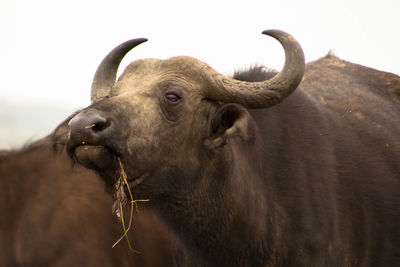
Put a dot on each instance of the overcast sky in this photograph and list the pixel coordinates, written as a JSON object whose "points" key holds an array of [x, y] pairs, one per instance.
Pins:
{"points": [[50, 49]]}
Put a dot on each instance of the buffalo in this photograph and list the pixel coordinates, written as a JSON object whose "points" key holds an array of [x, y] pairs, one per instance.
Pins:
{"points": [[254, 173], [58, 214]]}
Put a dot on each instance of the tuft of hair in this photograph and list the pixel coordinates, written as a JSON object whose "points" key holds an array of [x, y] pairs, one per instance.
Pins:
{"points": [[331, 54], [255, 73]]}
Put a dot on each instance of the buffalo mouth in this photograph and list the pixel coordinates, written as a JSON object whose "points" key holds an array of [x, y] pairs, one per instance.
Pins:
{"points": [[104, 161], [95, 157], [99, 158]]}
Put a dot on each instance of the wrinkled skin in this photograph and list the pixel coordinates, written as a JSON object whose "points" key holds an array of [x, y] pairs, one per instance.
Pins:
{"points": [[301, 183]]}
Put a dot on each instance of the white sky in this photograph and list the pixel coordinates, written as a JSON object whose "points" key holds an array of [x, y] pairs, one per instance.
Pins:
{"points": [[50, 49]]}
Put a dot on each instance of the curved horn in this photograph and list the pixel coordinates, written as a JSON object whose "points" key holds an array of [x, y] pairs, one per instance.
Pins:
{"points": [[106, 73], [266, 93]]}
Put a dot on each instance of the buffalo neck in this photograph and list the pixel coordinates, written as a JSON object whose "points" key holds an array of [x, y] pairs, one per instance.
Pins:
{"points": [[224, 217]]}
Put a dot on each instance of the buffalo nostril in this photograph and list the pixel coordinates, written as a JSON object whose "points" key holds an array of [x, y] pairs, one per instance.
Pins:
{"points": [[87, 127], [98, 126]]}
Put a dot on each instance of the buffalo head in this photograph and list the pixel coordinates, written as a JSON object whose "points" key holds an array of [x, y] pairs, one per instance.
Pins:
{"points": [[167, 120]]}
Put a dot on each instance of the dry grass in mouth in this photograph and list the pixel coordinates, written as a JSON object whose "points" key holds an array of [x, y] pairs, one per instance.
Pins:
{"points": [[121, 201]]}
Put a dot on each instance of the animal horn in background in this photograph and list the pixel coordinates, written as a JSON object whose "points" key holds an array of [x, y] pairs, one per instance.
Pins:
{"points": [[106, 73], [266, 93]]}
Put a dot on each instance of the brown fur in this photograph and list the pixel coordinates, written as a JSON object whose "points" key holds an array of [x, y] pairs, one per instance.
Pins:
{"points": [[56, 214]]}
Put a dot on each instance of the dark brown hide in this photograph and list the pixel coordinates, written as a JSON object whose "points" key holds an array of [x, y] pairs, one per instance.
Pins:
{"points": [[331, 155], [338, 73], [56, 214]]}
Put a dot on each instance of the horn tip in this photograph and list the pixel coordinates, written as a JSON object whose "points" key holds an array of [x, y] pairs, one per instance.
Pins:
{"points": [[139, 40], [274, 32]]}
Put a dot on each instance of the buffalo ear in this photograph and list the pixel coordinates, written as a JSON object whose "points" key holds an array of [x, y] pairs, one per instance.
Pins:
{"points": [[230, 120]]}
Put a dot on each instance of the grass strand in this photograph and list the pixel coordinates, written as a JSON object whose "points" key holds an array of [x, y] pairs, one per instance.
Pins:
{"points": [[121, 201]]}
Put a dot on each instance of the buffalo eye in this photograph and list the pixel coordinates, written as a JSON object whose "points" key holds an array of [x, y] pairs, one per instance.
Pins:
{"points": [[172, 98]]}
